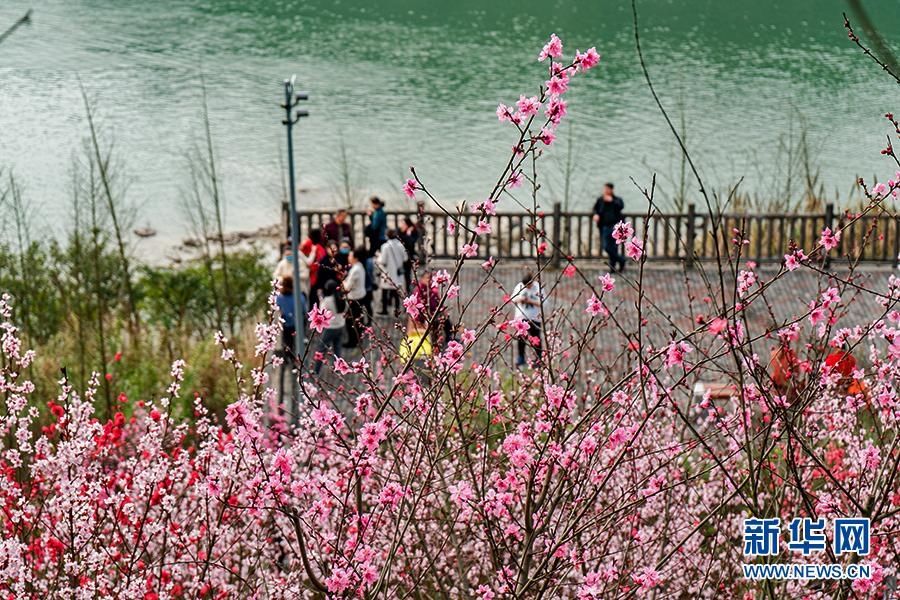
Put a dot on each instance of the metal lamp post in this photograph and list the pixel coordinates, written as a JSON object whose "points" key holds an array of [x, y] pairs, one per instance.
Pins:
{"points": [[291, 100]]}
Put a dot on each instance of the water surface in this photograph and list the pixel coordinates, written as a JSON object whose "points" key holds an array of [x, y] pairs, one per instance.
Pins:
{"points": [[402, 82]]}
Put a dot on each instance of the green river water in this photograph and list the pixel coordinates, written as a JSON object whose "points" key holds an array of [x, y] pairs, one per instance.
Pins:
{"points": [[403, 82]]}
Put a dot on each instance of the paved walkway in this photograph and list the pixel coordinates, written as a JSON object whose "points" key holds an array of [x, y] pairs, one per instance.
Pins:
{"points": [[672, 300]]}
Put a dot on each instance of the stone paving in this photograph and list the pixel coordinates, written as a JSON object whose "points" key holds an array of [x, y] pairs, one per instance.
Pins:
{"points": [[672, 298]]}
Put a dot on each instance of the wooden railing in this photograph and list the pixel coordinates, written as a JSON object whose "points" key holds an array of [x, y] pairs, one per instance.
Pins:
{"points": [[667, 236]]}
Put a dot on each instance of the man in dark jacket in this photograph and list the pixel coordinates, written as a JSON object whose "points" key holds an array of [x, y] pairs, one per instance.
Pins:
{"points": [[608, 212], [338, 230]]}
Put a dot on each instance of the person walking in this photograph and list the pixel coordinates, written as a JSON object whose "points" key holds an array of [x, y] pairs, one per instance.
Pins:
{"points": [[528, 298], [354, 286], [608, 212], [338, 229], [376, 230], [409, 236], [391, 259], [332, 336]]}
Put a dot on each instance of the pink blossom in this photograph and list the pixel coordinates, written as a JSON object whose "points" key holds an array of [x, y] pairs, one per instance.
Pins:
{"points": [[552, 49], [320, 318], [830, 239], [410, 187], [871, 457], [634, 248], [483, 227], [816, 313], [647, 578], [484, 593], [588, 60], [569, 271], [515, 180], [440, 277], [745, 281], [413, 306], [622, 231], [556, 110], [595, 307], [325, 417], [547, 136], [519, 327], [339, 581], [790, 262], [717, 325], [607, 282], [470, 250], [504, 113], [675, 353], [557, 85], [461, 493], [371, 435], [391, 495], [528, 106]]}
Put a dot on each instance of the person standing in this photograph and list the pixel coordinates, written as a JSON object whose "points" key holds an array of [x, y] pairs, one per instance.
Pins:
{"points": [[608, 212], [409, 236], [313, 252], [368, 262], [391, 259], [329, 268], [528, 298], [376, 230], [343, 255], [338, 230], [332, 300], [354, 286], [285, 303]]}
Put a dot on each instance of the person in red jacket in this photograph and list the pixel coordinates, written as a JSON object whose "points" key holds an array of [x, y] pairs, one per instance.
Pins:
{"points": [[313, 251]]}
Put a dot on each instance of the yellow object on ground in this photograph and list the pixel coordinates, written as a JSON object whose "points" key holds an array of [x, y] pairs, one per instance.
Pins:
{"points": [[415, 345]]}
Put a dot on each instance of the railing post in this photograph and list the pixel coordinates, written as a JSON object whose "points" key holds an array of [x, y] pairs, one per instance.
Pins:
{"points": [[557, 238], [896, 257], [691, 235], [829, 222]]}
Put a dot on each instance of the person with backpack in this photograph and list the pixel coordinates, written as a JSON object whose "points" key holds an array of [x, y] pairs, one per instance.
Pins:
{"points": [[607, 212]]}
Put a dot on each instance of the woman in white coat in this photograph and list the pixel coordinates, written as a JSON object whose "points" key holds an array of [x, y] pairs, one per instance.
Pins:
{"points": [[391, 257]]}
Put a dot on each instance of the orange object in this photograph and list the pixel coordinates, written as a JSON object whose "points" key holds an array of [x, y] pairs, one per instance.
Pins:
{"points": [[782, 365]]}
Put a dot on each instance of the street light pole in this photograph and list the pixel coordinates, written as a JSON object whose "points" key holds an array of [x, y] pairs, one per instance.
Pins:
{"points": [[291, 99]]}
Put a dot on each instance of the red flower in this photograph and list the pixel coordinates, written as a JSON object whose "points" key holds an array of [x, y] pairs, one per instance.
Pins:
{"points": [[842, 362]]}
